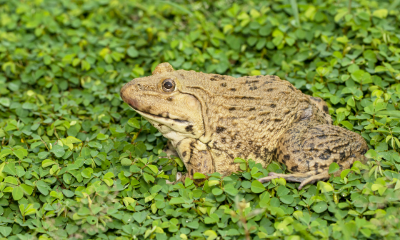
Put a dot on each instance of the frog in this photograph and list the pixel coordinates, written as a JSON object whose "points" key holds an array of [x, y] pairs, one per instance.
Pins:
{"points": [[211, 119]]}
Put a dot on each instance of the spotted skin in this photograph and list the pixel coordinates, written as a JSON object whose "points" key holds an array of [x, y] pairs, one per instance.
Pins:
{"points": [[211, 119], [309, 147]]}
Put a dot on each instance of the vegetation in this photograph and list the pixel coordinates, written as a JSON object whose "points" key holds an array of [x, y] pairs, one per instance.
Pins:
{"points": [[77, 163]]}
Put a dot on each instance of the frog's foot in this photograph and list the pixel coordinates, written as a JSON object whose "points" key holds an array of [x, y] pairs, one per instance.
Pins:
{"points": [[170, 150], [179, 177], [303, 178]]}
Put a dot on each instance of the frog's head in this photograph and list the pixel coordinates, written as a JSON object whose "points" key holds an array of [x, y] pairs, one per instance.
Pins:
{"points": [[159, 99]]}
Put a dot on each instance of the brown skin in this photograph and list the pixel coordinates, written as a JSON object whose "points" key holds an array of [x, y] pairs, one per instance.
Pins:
{"points": [[211, 119]]}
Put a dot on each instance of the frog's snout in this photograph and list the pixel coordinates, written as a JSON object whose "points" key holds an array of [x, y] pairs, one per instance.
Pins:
{"points": [[126, 94]]}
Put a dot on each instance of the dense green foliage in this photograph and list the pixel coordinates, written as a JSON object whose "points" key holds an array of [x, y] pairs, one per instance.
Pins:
{"points": [[68, 168]]}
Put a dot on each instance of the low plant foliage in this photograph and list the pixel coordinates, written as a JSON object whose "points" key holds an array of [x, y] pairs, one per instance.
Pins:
{"points": [[77, 163]]}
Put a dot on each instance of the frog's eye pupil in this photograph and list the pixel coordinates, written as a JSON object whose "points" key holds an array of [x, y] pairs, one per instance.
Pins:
{"points": [[168, 85]]}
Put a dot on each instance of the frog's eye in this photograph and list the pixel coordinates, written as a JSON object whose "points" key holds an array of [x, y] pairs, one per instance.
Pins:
{"points": [[168, 85]]}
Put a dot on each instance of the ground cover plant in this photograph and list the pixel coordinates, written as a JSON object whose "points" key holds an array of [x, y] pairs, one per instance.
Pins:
{"points": [[76, 162]]}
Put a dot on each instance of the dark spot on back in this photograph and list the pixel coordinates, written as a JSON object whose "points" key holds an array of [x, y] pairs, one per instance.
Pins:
{"points": [[223, 140], [220, 129], [246, 97], [233, 89], [270, 89], [231, 108], [316, 99], [191, 172], [325, 155], [291, 87], [189, 128], [184, 154], [294, 169], [252, 109], [213, 79], [253, 88], [286, 157], [238, 145], [326, 109], [258, 76], [273, 105], [169, 98], [223, 84]]}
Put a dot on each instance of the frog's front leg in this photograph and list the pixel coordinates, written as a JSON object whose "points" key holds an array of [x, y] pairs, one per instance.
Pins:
{"points": [[170, 150], [195, 156]]}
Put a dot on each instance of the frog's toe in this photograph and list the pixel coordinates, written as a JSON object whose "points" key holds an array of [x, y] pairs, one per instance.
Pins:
{"points": [[178, 177], [319, 177], [302, 178]]}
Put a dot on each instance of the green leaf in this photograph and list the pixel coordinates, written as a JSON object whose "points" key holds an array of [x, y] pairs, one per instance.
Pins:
{"points": [[380, 13], [257, 187], [176, 200], [5, 152], [287, 199], [212, 219], [58, 151], [361, 77], [17, 193], [148, 178], [231, 190], [333, 167], [265, 197], [47, 163], [134, 122], [5, 102], [5, 231], [21, 153], [42, 187], [391, 113], [102, 136], [126, 162], [27, 189], [11, 180], [198, 176], [20, 171], [87, 172], [132, 52], [325, 187], [153, 168], [320, 207], [43, 155], [217, 191]]}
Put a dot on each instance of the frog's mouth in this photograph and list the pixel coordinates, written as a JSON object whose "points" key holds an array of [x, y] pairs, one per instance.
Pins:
{"points": [[161, 119], [168, 125]]}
